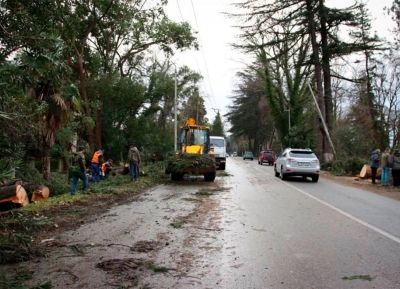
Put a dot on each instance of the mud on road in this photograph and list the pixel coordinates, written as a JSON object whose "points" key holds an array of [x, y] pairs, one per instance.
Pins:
{"points": [[165, 238]]}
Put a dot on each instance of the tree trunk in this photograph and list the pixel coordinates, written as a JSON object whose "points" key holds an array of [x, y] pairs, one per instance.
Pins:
{"points": [[318, 74], [46, 160], [66, 164], [98, 129], [327, 76], [83, 91], [15, 194]]}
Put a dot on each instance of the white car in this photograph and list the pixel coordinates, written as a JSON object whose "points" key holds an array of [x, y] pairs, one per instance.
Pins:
{"points": [[297, 162]]}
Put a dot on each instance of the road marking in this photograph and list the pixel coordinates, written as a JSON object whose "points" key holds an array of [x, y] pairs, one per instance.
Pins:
{"points": [[368, 225]]}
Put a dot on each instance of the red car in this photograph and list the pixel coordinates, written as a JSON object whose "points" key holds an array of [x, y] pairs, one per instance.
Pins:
{"points": [[266, 157]]}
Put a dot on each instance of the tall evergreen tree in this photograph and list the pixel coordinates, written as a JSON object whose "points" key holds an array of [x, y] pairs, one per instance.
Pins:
{"points": [[308, 17], [369, 43], [217, 127], [194, 107]]}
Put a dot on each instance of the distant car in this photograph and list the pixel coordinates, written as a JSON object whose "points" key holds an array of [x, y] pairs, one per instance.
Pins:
{"points": [[266, 157], [234, 154], [297, 162], [227, 155], [248, 155]]}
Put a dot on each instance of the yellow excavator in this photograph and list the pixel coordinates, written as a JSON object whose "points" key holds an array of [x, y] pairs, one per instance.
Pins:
{"points": [[194, 155]]}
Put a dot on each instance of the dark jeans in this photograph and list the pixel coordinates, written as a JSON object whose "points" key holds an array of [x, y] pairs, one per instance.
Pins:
{"points": [[95, 173], [75, 178], [373, 174], [396, 177], [133, 170]]}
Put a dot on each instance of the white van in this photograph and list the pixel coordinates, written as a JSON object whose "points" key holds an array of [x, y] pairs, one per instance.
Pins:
{"points": [[219, 145]]}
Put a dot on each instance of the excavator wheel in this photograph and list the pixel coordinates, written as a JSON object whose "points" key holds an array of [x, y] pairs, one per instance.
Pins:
{"points": [[209, 177], [176, 176]]}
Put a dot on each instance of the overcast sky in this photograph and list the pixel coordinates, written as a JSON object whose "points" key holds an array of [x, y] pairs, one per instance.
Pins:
{"points": [[216, 60]]}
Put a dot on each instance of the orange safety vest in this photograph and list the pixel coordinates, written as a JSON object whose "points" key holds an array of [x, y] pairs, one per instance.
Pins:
{"points": [[104, 166], [95, 158]]}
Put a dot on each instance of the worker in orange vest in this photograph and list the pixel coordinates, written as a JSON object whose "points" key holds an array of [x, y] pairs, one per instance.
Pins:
{"points": [[106, 168], [97, 161]]}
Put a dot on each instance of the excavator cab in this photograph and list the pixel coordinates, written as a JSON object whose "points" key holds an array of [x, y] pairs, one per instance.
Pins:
{"points": [[194, 155], [194, 139]]}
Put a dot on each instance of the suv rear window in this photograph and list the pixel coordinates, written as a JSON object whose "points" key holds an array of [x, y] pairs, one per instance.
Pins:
{"points": [[268, 153], [301, 154]]}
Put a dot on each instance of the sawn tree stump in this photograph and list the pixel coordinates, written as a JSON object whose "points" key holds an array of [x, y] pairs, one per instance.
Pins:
{"points": [[15, 194], [40, 194], [365, 172]]}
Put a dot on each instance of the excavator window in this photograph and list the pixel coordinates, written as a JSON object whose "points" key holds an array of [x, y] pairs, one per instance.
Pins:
{"points": [[195, 136]]}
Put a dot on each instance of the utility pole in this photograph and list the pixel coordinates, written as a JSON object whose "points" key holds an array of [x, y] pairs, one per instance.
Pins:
{"points": [[322, 120], [197, 105], [175, 111]]}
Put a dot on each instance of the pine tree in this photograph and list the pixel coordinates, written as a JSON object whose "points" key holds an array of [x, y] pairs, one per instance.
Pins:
{"points": [[217, 128]]}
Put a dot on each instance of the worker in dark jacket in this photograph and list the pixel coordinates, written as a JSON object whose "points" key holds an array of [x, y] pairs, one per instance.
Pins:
{"points": [[79, 172], [134, 162], [375, 156], [395, 165]]}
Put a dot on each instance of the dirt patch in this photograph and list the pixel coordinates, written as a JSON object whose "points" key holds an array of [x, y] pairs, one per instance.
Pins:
{"points": [[67, 216], [365, 184]]}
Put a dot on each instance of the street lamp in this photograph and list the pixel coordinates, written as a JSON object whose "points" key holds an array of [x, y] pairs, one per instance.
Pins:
{"points": [[175, 112]]}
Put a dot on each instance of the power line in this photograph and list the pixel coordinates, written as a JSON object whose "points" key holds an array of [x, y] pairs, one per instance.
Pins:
{"points": [[194, 56], [202, 50], [179, 8]]}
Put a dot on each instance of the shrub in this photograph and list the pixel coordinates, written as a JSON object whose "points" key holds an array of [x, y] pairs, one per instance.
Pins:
{"points": [[353, 165], [58, 184], [349, 166]]}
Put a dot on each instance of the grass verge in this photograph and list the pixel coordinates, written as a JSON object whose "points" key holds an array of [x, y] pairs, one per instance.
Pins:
{"points": [[21, 230]]}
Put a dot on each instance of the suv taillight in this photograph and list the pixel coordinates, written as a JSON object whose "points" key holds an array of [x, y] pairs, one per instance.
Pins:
{"points": [[290, 160], [315, 161]]}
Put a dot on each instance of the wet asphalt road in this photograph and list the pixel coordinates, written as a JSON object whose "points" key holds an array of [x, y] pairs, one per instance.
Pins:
{"points": [[252, 231], [299, 234]]}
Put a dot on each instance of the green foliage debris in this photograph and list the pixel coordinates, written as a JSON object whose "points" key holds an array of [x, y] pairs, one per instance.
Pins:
{"points": [[177, 224], [156, 268], [15, 281], [182, 162], [358, 277], [16, 231]]}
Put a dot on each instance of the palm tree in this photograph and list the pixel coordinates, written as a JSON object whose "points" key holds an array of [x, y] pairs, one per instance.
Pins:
{"points": [[49, 76]]}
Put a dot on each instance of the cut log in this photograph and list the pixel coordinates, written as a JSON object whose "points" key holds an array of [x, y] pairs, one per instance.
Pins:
{"points": [[40, 194], [15, 194], [365, 172]]}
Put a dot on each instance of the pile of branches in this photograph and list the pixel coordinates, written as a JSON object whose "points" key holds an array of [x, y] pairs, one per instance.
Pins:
{"points": [[182, 162], [16, 230]]}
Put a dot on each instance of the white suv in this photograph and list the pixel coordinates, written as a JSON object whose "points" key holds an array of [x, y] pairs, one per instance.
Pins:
{"points": [[297, 162]]}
